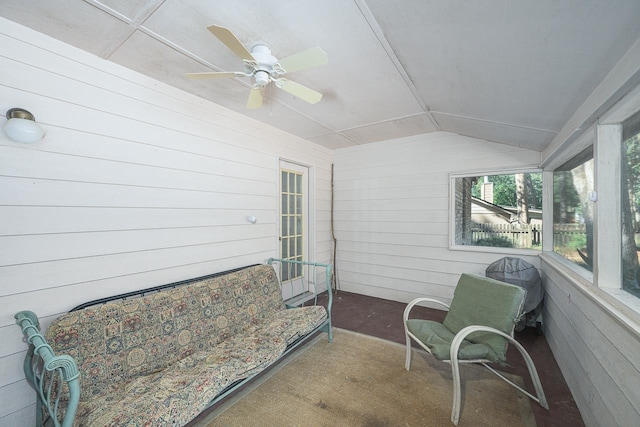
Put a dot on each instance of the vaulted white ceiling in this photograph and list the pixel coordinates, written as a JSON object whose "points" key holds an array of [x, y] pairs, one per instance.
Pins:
{"points": [[507, 71]]}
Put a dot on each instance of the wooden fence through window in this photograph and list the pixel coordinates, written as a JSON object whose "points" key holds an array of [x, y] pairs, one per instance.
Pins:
{"points": [[524, 235], [564, 234], [519, 235]]}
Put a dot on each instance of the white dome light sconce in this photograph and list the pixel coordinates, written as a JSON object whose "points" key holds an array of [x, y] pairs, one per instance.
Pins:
{"points": [[252, 219], [21, 126]]}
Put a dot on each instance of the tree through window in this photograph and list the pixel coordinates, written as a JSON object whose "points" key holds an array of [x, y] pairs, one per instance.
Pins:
{"points": [[630, 201], [573, 183]]}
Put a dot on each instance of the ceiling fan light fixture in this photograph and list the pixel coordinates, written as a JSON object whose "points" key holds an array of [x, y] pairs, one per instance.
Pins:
{"points": [[262, 78]]}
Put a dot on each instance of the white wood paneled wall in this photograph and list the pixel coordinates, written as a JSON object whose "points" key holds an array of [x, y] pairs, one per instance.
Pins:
{"points": [[597, 353], [392, 213], [135, 184]]}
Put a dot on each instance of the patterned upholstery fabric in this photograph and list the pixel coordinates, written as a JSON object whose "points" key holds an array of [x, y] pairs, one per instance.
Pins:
{"points": [[160, 359]]}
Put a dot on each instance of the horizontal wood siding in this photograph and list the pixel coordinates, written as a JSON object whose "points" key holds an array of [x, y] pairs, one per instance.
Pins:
{"points": [[597, 354], [392, 213], [135, 184]]}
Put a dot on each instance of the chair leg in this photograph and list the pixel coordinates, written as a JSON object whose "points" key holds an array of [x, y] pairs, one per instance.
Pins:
{"points": [[407, 362], [455, 410], [533, 372], [455, 346]]}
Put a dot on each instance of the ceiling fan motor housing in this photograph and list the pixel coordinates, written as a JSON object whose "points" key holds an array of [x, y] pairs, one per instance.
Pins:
{"points": [[264, 64]]}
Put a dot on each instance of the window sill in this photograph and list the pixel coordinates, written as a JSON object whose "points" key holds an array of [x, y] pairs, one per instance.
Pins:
{"points": [[495, 250], [618, 304], [630, 303], [570, 271]]}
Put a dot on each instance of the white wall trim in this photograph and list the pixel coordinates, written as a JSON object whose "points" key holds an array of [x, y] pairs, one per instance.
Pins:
{"points": [[608, 212]]}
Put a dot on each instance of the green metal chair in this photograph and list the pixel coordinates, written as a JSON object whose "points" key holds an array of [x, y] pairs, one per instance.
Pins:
{"points": [[477, 329]]}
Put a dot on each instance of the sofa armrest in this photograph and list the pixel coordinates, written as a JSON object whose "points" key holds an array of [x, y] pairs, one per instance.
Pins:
{"points": [[316, 270], [48, 374]]}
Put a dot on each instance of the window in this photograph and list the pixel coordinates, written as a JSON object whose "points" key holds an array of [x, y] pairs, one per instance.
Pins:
{"points": [[596, 205], [596, 208], [630, 204], [498, 210], [573, 210]]}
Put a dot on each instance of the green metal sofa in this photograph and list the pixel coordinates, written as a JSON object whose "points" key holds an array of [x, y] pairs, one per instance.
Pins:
{"points": [[162, 356]]}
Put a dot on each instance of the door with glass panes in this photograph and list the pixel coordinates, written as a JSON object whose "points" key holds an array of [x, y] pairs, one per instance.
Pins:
{"points": [[293, 228]]}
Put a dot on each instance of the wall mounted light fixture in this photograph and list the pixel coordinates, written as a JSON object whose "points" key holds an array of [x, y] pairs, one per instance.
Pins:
{"points": [[21, 126]]}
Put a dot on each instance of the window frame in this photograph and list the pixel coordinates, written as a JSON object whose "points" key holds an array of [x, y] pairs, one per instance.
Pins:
{"points": [[453, 246]]}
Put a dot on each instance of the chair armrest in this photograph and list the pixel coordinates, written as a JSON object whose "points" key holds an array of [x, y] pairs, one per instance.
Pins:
{"points": [[405, 316], [464, 332], [47, 372], [313, 273]]}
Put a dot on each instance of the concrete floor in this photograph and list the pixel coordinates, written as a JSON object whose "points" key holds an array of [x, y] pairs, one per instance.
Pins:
{"points": [[383, 319]]}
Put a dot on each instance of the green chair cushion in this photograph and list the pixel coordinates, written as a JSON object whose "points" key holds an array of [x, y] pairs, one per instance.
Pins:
{"points": [[438, 339], [476, 300]]}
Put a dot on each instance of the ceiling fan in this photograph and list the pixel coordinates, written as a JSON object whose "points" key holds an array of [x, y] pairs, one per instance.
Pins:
{"points": [[265, 68]]}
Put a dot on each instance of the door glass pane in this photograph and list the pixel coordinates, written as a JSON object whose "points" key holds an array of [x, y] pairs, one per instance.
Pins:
{"points": [[292, 227], [299, 204]]}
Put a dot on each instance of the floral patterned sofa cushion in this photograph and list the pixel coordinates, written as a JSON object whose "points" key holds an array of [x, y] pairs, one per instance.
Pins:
{"points": [[176, 395], [168, 354]]}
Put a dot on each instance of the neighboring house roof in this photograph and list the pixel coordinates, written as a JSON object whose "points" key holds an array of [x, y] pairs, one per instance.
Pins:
{"points": [[507, 212]]}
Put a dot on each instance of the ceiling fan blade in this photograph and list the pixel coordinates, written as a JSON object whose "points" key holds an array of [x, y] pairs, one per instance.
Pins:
{"points": [[306, 59], [211, 75], [255, 98], [231, 41], [299, 91]]}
